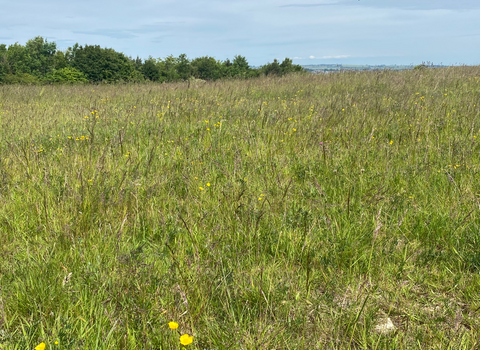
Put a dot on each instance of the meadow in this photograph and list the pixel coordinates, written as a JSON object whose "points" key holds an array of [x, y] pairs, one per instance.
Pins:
{"points": [[336, 211]]}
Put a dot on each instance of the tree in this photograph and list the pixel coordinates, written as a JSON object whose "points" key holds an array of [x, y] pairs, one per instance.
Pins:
{"points": [[285, 67], [150, 70], [167, 67], [183, 67], [206, 68], [241, 64], [99, 64], [18, 60], [40, 56], [272, 68], [3, 62]]}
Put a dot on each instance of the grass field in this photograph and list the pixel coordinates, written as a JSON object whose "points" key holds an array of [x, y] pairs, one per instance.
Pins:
{"points": [[306, 212]]}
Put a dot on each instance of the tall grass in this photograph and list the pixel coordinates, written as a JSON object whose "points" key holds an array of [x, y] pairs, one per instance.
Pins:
{"points": [[304, 212]]}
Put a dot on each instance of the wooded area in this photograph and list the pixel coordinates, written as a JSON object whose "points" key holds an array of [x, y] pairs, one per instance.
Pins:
{"points": [[40, 62]]}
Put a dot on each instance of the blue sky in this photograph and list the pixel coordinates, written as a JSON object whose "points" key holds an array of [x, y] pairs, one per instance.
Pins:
{"points": [[311, 32]]}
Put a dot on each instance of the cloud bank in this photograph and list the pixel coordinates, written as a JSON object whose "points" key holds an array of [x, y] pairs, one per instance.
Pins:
{"points": [[369, 31]]}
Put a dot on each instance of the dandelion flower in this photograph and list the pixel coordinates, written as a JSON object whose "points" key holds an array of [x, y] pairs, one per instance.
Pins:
{"points": [[41, 346], [173, 325], [208, 184], [391, 142], [56, 342], [186, 339]]}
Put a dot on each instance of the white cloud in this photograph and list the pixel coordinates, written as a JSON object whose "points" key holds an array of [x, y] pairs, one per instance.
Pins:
{"points": [[371, 31]]}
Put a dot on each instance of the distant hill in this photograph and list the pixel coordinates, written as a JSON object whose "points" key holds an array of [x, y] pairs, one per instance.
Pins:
{"points": [[340, 67]]}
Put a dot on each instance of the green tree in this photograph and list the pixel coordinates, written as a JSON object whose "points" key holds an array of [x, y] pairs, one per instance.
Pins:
{"points": [[3, 62], [60, 60], [241, 64], [183, 67], [272, 68], [287, 66], [167, 68], [40, 56], [150, 69], [206, 68], [276, 68], [18, 60], [101, 64]]}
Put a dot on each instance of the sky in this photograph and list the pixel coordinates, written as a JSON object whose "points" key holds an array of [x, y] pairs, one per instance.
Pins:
{"points": [[308, 31]]}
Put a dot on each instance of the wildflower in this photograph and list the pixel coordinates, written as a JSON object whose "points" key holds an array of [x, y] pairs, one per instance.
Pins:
{"points": [[186, 339], [201, 188], [208, 184], [173, 325], [41, 346], [56, 342], [391, 142]]}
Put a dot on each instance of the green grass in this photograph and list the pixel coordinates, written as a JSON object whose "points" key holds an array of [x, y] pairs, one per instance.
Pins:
{"points": [[281, 213]]}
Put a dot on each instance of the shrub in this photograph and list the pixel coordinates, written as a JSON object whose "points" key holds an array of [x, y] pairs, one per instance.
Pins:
{"points": [[66, 75]]}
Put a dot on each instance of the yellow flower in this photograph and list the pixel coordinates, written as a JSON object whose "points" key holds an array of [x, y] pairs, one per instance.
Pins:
{"points": [[173, 325], [208, 184], [186, 339], [201, 188], [40, 346], [391, 142]]}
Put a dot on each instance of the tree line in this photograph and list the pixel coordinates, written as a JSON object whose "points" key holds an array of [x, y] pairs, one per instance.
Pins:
{"points": [[40, 61]]}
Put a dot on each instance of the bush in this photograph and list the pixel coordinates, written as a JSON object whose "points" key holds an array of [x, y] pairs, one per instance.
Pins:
{"points": [[66, 75], [21, 78]]}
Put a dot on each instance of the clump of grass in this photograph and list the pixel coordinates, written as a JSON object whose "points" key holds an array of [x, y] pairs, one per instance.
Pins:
{"points": [[295, 212]]}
